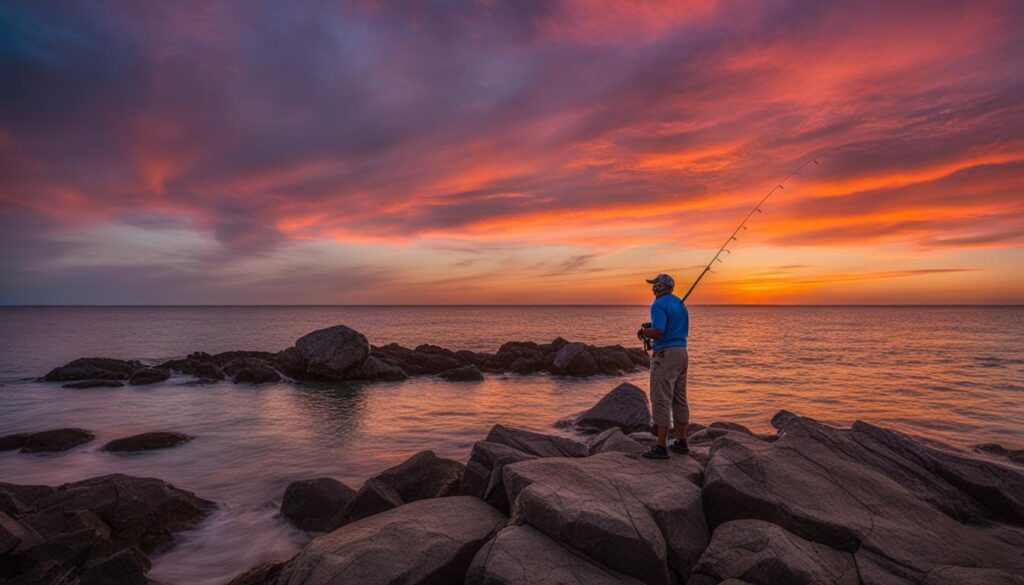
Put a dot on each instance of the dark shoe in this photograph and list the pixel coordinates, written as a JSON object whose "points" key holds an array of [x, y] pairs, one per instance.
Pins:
{"points": [[657, 452], [679, 446]]}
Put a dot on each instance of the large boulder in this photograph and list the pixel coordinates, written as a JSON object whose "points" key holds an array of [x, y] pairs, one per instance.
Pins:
{"points": [[93, 369], [760, 552], [639, 517], [811, 483], [625, 407], [574, 359], [422, 476], [56, 440], [425, 542], [483, 476], [316, 505], [521, 555], [148, 376], [95, 531], [613, 359], [147, 442], [537, 444], [330, 352]]}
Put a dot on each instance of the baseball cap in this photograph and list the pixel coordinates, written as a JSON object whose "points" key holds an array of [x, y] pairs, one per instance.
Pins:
{"points": [[663, 279]]}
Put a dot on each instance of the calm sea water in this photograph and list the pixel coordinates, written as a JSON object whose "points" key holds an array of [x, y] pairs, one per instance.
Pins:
{"points": [[953, 373]]}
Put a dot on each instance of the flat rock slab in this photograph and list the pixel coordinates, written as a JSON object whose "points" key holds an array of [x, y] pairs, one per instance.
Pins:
{"points": [[521, 555], [639, 517], [147, 442], [56, 440], [425, 542], [760, 552], [807, 485]]}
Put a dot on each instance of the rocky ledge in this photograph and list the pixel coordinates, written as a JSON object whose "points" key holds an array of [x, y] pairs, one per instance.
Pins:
{"points": [[341, 353], [95, 531]]}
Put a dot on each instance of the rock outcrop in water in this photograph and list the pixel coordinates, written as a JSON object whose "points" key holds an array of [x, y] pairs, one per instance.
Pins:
{"points": [[147, 442], [46, 441], [340, 353], [98, 530], [809, 504]]}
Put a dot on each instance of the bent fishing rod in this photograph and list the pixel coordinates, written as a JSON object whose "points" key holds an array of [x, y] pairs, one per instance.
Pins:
{"points": [[743, 226]]}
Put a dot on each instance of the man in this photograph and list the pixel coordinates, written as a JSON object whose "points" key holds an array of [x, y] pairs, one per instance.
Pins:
{"points": [[670, 324]]}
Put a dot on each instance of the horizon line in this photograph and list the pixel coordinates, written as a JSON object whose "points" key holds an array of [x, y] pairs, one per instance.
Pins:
{"points": [[380, 305]]}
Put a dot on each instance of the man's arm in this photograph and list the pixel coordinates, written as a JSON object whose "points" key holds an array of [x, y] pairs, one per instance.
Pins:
{"points": [[658, 319]]}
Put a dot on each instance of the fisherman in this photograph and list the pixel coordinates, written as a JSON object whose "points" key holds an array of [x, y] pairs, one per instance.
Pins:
{"points": [[669, 326]]}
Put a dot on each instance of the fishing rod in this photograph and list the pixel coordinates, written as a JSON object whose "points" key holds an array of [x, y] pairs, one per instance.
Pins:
{"points": [[743, 226]]}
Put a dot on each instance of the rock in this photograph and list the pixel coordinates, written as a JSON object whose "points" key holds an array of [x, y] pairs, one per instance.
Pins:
{"points": [[375, 369], [148, 376], [429, 541], [463, 374], [811, 483], [612, 440], [760, 552], [625, 407], [574, 359], [14, 441], [640, 517], [330, 352], [224, 358], [521, 555], [537, 444], [422, 476], [291, 362], [483, 475], [969, 576], [425, 360], [316, 505], [147, 442], [92, 532], [256, 374], [56, 440], [613, 359], [200, 366], [92, 369], [1015, 455], [263, 574], [94, 384]]}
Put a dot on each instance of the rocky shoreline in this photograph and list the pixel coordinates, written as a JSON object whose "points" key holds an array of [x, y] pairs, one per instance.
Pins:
{"points": [[340, 353], [811, 503]]}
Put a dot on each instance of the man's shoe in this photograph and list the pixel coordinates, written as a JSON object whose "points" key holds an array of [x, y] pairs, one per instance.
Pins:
{"points": [[656, 452], [679, 446]]}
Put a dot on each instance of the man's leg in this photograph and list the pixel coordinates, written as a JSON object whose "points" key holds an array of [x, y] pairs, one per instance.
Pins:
{"points": [[680, 406], [664, 371]]}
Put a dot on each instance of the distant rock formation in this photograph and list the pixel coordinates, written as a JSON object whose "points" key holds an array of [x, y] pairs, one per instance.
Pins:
{"points": [[340, 353]]}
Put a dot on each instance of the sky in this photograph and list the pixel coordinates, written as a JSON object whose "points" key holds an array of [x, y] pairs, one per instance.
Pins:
{"points": [[449, 152]]}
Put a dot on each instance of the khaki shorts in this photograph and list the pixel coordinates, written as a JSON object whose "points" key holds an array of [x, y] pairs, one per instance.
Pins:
{"points": [[668, 386]]}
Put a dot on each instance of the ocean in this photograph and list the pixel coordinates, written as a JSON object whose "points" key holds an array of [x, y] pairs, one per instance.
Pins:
{"points": [[955, 374]]}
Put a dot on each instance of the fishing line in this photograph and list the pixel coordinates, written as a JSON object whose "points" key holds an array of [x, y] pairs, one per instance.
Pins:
{"points": [[743, 225]]}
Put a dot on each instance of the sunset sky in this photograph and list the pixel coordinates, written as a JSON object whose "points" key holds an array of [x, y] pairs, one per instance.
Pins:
{"points": [[509, 152]]}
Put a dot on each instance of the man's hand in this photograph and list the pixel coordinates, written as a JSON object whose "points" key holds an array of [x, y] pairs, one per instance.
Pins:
{"points": [[651, 332]]}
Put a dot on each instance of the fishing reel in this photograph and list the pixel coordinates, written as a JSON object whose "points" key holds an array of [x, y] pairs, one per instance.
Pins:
{"points": [[643, 338]]}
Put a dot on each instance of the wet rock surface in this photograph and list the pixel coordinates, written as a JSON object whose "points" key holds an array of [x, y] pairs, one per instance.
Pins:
{"points": [[340, 353], [147, 442], [98, 530], [46, 441]]}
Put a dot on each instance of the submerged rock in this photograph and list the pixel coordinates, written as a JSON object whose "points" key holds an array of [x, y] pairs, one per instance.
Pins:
{"points": [[422, 476], [429, 541], [94, 384], [463, 374], [316, 505], [14, 441], [55, 440], [147, 442]]}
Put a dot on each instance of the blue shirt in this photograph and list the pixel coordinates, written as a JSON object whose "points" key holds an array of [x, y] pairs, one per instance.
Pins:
{"points": [[669, 314]]}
